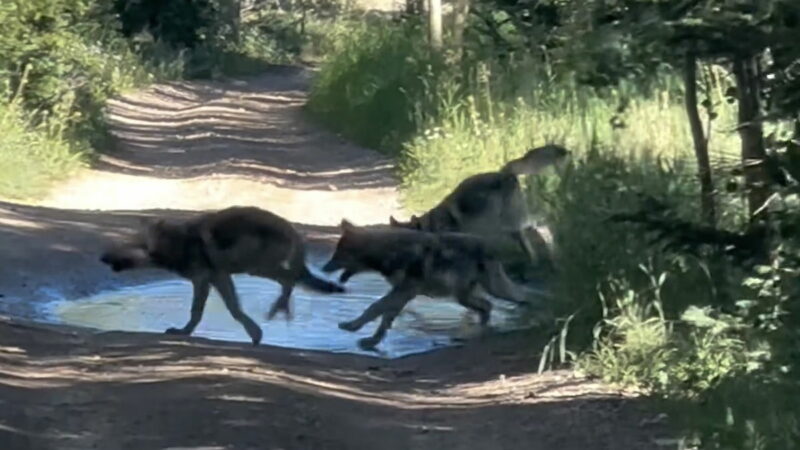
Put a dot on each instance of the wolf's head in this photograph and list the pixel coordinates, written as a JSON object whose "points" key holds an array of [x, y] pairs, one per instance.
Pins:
{"points": [[158, 243], [537, 159], [348, 255], [126, 256]]}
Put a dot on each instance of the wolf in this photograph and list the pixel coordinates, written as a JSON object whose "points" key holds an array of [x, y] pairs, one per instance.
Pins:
{"points": [[420, 263], [211, 247], [492, 202]]}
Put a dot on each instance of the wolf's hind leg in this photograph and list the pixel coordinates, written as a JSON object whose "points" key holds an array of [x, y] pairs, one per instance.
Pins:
{"points": [[282, 302], [398, 295], [227, 291], [476, 302], [200, 295]]}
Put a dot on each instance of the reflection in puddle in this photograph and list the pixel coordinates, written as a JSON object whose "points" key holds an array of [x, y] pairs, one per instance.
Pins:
{"points": [[425, 324]]}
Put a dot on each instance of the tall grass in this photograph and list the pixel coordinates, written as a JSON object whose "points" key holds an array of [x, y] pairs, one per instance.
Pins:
{"points": [[371, 82], [56, 79], [32, 158], [488, 125], [637, 314]]}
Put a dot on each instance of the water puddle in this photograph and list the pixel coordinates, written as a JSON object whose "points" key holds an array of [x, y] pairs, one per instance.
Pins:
{"points": [[425, 324]]}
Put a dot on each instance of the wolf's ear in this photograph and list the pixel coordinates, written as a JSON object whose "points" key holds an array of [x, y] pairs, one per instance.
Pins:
{"points": [[393, 222], [346, 225]]}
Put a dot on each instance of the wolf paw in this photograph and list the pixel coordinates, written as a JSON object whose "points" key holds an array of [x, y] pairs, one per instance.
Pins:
{"points": [[349, 326], [176, 331], [368, 343], [257, 336]]}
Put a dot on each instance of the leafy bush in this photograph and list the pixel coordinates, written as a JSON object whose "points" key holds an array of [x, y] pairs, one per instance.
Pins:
{"points": [[32, 157], [710, 325], [636, 344], [62, 61], [367, 86], [64, 58]]}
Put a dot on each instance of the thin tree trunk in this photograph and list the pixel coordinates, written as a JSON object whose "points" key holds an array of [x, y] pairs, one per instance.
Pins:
{"points": [[717, 268], [751, 132], [460, 14], [707, 202], [435, 23]]}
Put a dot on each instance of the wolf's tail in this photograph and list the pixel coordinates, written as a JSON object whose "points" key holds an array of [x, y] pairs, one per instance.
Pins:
{"points": [[318, 284]]}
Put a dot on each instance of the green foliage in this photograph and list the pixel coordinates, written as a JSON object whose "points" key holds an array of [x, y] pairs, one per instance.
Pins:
{"points": [[369, 84], [746, 412], [57, 61], [636, 344], [603, 78], [64, 58], [32, 157]]}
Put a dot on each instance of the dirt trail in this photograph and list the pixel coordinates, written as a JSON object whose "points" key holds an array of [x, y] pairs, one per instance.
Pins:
{"points": [[207, 145], [191, 146]]}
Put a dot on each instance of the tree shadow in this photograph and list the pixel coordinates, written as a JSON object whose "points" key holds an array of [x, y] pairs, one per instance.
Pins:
{"points": [[253, 127], [54, 253], [126, 390]]}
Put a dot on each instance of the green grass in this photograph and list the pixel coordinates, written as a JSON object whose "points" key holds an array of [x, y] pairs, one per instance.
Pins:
{"points": [[485, 130], [368, 84], [32, 159], [637, 314], [55, 81]]}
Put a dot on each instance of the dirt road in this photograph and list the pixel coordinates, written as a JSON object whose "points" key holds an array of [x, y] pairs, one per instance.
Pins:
{"points": [[194, 146]]}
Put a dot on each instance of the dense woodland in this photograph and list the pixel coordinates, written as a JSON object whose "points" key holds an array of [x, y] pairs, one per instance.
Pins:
{"points": [[676, 221]]}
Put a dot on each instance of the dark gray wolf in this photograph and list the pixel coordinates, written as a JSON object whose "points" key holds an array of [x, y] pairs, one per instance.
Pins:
{"points": [[211, 247], [420, 263], [492, 204]]}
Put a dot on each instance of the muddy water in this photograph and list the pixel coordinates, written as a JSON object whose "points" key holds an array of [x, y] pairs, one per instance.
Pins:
{"points": [[426, 324]]}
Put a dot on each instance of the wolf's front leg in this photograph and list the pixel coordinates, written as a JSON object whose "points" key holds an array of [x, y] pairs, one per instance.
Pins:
{"points": [[386, 322], [199, 297], [396, 295], [224, 284]]}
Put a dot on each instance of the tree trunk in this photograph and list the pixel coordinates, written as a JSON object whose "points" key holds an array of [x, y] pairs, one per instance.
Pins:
{"points": [[717, 268], [707, 203], [754, 155], [460, 14], [435, 23], [233, 11]]}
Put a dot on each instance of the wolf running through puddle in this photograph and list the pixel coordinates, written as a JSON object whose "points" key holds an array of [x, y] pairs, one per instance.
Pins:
{"points": [[421, 263], [211, 247]]}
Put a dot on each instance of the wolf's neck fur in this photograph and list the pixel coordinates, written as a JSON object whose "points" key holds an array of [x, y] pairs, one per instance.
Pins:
{"points": [[521, 166]]}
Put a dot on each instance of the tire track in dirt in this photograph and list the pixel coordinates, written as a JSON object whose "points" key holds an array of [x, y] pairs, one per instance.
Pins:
{"points": [[208, 145]]}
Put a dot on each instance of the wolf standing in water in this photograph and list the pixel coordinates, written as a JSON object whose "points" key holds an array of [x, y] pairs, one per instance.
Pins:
{"points": [[492, 202], [208, 249], [420, 263]]}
